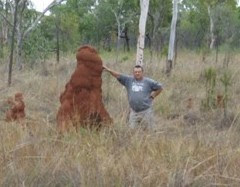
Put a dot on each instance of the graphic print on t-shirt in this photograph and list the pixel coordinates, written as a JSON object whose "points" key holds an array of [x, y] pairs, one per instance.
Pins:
{"points": [[137, 87]]}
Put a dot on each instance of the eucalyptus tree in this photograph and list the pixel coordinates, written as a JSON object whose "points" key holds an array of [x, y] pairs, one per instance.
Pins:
{"points": [[12, 42], [10, 11], [25, 24], [64, 26], [123, 15], [82, 12], [194, 24], [4, 25], [159, 17], [95, 22], [35, 22], [212, 6], [105, 24], [2, 33], [203, 18], [144, 4], [116, 16], [171, 45], [225, 20], [41, 41], [22, 18]]}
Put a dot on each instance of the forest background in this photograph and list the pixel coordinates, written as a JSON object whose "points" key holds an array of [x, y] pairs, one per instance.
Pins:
{"points": [[197, 139]]}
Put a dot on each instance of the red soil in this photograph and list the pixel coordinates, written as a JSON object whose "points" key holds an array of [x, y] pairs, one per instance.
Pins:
{"points": [[81, 101], [16, 112]]}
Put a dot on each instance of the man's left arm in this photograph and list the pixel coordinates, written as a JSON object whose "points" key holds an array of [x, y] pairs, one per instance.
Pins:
{"points": [[157, 89], [156, 93]]}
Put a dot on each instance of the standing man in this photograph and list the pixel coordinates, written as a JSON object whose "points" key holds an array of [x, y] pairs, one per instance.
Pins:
{"points": [[141, 92]]}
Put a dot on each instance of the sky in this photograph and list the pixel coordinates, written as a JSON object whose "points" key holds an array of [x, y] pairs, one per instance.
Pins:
{"points": [[40, 5]]}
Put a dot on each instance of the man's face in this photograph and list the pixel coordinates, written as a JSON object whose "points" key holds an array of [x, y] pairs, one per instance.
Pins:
{"points": [[138, 73]]}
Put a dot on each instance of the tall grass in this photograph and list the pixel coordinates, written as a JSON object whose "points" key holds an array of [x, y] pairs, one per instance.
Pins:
{"points": [[176, 154]]}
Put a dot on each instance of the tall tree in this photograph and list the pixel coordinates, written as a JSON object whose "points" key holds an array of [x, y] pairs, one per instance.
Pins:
{"points": [[57, 39], [35, 23], [124, 12], [144, 4], [19, 27], [171, 46], [160, 16], [4, 25], [212, 34], [118, 11], [24, 29], [12, 43]]}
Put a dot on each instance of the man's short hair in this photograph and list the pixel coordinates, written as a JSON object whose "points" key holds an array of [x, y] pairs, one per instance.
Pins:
{"points": [[138, 66]]}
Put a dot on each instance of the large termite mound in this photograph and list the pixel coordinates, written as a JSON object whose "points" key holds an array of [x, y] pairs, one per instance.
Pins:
{"points": [[16, 111], [81, 101]]}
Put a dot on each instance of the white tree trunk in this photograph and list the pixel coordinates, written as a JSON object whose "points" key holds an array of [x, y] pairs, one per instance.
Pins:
{"points": [[21, 35], [22, 6], [155, 27], [12, 43], [119, 34], [171, 45], [213, 38], [142, 25], [19, 46], [4, 31], [173, 31]]}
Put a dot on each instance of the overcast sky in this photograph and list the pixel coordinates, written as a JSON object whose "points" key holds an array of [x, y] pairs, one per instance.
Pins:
{"points": [[39, 5]]}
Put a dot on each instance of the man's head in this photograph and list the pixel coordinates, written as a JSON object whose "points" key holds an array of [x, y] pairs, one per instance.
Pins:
{"points": [[138, 72]]}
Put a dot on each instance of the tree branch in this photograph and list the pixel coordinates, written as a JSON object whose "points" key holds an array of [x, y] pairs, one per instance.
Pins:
{"points": [[34, 24], [5, 18]]}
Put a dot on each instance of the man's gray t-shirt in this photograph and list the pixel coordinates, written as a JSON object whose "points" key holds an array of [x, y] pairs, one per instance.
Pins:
{"points": [[139, 91]]}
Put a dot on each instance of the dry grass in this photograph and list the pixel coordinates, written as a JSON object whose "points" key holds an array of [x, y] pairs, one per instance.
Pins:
{"points": [[177, 154]]}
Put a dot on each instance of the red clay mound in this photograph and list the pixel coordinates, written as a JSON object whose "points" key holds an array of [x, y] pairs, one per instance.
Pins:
{"points": [[81, 101], [16, 112]]}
